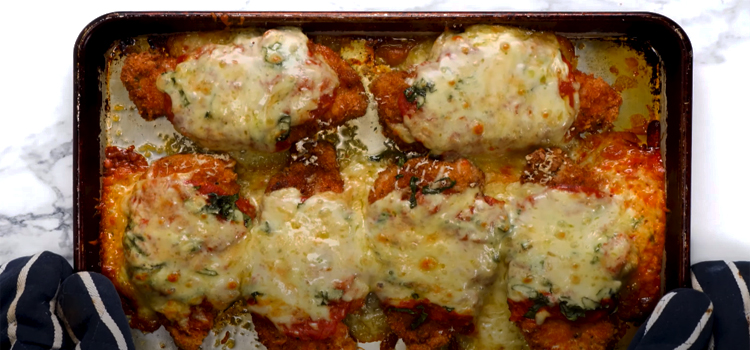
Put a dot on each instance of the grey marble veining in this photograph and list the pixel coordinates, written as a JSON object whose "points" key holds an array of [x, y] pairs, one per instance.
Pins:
{"points": [[40, 182], [36, 144]]}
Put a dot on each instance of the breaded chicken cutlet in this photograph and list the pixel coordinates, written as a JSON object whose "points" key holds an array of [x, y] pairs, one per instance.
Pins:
{"points": [[165, 229], [301, 212], [627, 207], [435, 237], [492, 89], [259, 92]]}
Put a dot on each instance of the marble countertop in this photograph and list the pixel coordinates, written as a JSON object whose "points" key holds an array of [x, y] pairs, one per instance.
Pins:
{"points": [[36, 151]]}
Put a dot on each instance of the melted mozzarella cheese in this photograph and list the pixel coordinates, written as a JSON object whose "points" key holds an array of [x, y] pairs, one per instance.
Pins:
{"points": [[445, 249], [250, 93], [570, 247], [176, 253], [494, 329], [304, 255], [490, 89]]}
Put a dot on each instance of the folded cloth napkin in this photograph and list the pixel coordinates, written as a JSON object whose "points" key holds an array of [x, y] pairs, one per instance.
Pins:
{"points": [[44, 305]]}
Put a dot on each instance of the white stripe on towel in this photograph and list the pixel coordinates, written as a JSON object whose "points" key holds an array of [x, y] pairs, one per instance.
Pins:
{"points": [[694, 280], [658, 310], [57, 342], [698, 328], [102, 310], [20, 288], [743, 290]]}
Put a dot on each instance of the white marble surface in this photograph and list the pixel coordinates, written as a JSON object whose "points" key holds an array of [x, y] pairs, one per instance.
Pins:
{"points": [[36, 135]]}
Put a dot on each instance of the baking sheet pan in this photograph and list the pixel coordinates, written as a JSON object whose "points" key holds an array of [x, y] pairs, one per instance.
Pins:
{"points": [[661, 38]]}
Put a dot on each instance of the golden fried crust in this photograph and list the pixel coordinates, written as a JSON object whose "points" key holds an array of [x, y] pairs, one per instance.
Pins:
{"points": [[597, 330], [553, 168], [435, 332], [210, 174], [274, 339], [349, 100], [122, 168], [427, 171], [139, 74], [559, 334], [200, 323], [599, 104], [428, 336], [543, 165], [311, 170], [388, 90], [637, 173]]}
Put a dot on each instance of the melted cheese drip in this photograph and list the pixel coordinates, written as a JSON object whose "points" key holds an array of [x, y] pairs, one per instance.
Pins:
{"points": [[176, 253], [304, 255], [569, 246], [249, 93], [495, 88], [441, 250], [494, 330]]}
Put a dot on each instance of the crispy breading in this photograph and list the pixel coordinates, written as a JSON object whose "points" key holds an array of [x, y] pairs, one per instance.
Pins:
{"points": [[210, 174], [428, 336], [123, 161], [428, 171], [599, 104], [636, 172], [274, 339], [349, 99], [602, 334], [388, 90], [597, 330], [139, 74], [553, 168], [312, 169], [433, 332], [542, 165], [199, 324], [122, 168]]}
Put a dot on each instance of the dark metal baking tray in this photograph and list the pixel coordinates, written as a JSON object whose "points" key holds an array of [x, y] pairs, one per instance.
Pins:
{"points": [[654, 32]]}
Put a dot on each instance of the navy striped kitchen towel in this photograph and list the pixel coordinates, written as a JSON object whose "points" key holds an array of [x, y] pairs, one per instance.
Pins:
{"points": [[682, 320], [43, 305], [714, 315], [726, 284]]}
